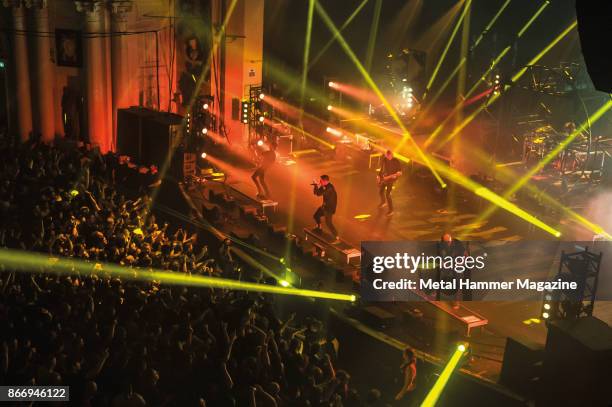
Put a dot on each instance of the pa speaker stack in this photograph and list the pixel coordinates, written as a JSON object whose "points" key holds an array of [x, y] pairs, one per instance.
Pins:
{"points": [[576, 369], [149, 136], [595, 29]]}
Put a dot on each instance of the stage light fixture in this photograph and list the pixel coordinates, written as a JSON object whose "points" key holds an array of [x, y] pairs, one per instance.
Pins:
{"points": [[332, 84], [262, 96], [205, 106], [203, 155], [545, 315], [204, 130], [546, 306], [284, 283], [333, 131], [260, 143], [261, 119], [245, 111], [329, 107]]}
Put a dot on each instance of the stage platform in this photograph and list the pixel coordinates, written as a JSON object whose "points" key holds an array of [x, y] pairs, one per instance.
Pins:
{"points": [[327, 244]]}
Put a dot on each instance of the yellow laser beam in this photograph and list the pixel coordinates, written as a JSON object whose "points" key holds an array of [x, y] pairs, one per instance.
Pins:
{"points": [[522, 181], [539, 56], [216, 41], [535, 16], [306, 50], [434, 394], [491, 23], [482, 191], [466, 7], [483, 77], [406, 134], [464, 59], [514, 79], [329, 43], [37, 263], [373, 33]]}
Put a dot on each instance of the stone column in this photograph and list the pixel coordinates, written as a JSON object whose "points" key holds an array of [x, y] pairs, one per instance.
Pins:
{"points": [[119, 60], [22, 69], [45, 72], [94, 73]]}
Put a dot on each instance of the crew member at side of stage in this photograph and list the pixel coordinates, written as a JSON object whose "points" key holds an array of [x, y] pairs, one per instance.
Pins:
{"points": [[266, 160], [326, 189], [390, 171], [409, 371]]}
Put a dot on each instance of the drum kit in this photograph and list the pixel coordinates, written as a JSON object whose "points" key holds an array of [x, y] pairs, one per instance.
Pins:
{"points": [[543, 140]]}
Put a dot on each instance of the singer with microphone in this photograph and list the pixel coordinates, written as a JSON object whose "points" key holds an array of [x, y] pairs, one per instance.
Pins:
{"points": [[326, 189]]}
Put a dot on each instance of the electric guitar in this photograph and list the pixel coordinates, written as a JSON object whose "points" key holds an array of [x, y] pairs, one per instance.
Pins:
{"points": [[387, 179]]}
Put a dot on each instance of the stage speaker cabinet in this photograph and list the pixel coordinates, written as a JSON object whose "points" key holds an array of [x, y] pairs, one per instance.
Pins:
{"points": [[595, 31], [160, 137], [521, 368], [235, 109], [128, 133], [577, 364], [150, 137]]}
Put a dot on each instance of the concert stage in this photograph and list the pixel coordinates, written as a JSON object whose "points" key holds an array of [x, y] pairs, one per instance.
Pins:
{"points": [[421, 213]]}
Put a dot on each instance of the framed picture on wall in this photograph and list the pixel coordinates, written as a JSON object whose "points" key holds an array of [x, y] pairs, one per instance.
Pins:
{"points": [[68, 48]]}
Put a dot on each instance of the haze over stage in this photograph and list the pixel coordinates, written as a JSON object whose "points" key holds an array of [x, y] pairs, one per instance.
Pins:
{"points": [[306, 203]]}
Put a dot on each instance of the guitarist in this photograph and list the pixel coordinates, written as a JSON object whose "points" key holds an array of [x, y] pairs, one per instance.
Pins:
{"points": [[390, 171], [266, 160]]}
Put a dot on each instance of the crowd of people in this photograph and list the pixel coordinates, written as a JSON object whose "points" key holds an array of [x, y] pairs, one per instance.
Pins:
{"points": [[136, 343]]}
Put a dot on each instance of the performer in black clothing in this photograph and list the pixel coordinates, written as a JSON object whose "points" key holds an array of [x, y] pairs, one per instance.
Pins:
{"points": [[453, 247], [330, 199], [267, 159], [390, 171]]}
